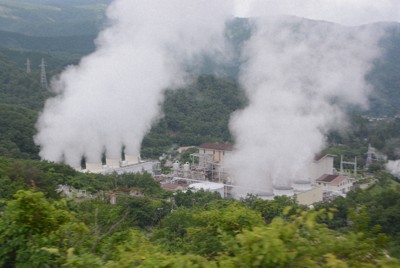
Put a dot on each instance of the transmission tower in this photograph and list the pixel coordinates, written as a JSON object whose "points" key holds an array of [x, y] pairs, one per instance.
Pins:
{"points": [[28, 66], [43, 77]]}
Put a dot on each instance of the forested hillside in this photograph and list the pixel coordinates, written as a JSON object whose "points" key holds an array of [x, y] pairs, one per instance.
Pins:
{"points": [[76, 45], [196, 114], [385, 77], [21, 99]]}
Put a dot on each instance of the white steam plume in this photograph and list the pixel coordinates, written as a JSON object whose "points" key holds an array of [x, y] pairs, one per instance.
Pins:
{"points": [[393, 166], [299, 75], [113, 96]]}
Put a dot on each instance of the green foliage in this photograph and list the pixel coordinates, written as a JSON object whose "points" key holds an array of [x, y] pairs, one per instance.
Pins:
{"points": [[35, 232], [373, 212], [30, 174], [270, 209], [303, 243], [199, 231], [21, 97], [190, 199]]}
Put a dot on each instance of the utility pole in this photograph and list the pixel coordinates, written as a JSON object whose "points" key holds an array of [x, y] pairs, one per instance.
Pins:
{"points": [[43, 77], [28, 66]]}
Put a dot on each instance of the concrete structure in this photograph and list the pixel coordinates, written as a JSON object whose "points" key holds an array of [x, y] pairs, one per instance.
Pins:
{"points": [[335, 183], [310, 196]]}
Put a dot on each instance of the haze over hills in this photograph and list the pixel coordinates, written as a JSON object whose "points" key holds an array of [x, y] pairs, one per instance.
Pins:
{"points": [[52, 17]]}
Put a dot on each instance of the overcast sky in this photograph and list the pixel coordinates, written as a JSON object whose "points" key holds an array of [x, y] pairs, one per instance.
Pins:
{"points": [[347, 12]]}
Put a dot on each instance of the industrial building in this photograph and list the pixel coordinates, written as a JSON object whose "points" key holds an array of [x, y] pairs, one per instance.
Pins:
{"points": [[207, 171]]}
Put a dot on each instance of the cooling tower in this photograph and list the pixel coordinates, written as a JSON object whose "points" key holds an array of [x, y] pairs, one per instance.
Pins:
{"points": [[113, 162], [301, 186], [283, 190], [131, 159], [94, 167], [265, 195]]}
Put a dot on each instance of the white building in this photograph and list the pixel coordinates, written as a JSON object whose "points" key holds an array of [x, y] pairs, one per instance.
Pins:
{"points": [[335, 183], [320, 166]]}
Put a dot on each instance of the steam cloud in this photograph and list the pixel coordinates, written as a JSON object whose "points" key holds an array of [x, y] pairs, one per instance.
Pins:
{"points": [[299, 76], [113, 96]]}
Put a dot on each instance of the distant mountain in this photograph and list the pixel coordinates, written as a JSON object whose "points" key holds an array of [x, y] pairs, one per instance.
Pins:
{"points": [[52, 17]]}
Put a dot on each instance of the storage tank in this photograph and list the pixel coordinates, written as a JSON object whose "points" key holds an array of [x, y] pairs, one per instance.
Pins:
{"points": [[186, 170], [176, 167], [283, 190]]}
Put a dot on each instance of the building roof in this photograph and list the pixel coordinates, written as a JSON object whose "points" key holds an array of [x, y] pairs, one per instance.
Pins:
{"points": [[332, 179], [172, 186], [184, 148], [217, 146]]}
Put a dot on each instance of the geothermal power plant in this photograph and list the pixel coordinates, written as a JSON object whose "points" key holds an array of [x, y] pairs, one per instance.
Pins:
{"points": [[300, 72]]}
